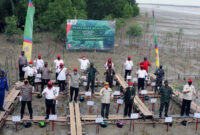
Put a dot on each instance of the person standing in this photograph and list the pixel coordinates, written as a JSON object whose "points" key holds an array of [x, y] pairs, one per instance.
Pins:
{"points": [[129, 94], [21, 62], [110, 73], [188, 92], [39, 63], [26, 93], [159, 77], [106, 97], [31, 72], [57, 64], [51, 95], [166, 94], [91, 71], [145, 64], [74, 85], [3, 87], [128, 67], [141, 78], [83, 63], [62, 72], [45, 72], [109, 62]]}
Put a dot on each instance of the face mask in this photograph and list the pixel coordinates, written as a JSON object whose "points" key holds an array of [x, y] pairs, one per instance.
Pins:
{"points": [[49, 85], [58, 58], [23, 54], [84, 58], [31, 65], [142, 68], [75, 72], [109, 67], [26, 82], [106, 87], [131, 86], [129, 59], [39, 57], [45, 65], [190, 83]]}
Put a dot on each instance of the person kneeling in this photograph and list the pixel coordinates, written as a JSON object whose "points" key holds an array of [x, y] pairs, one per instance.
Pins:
{"points": [[50, 94]]}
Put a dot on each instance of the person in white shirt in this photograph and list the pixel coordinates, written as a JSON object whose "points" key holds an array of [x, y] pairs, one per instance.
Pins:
{"points": [[109, 62], [188, 92], [31, 72], [62, 71], [128, 67], [141, 73], [83, 63], [51, 94], [39, 63], [106, 97], [57, 64]]}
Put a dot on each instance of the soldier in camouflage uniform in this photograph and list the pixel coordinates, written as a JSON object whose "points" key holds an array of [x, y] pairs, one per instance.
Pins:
{"points": [[166, 93]]}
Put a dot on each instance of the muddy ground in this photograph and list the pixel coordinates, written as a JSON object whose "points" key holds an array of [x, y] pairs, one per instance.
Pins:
{"points": [[179, 56]]}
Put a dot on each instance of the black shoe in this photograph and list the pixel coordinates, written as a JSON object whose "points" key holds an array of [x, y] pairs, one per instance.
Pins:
{"points": [[2, 109], [71, 100], [75, 101], [31, 117], [47, 117], [22, 116], [160, 115], [166, 115], [107, 117]]}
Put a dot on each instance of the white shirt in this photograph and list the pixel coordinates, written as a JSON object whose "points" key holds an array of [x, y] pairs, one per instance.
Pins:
{"points": [[62, 74], [189, 96], [128, 65], [50, 93], [39, 63], [57, 64], [30, 70], [106, 65], [141, 73], [84, 63], [106, 95]]}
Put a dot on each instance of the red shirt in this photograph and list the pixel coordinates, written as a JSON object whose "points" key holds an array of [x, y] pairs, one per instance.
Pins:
{"points": [[146, 64]]}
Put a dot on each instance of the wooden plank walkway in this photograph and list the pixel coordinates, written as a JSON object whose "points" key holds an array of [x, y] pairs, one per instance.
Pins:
{"points": [[78, 119], [110, 118], [72, 119], [8, 102], [145, 111], [38, 118], [179, 97]]}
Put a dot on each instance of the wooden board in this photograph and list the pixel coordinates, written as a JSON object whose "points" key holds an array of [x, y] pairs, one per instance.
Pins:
{"points": [[78, 119], [141, 106], [38, 118], [72, 119], [110, 118], [8, 102]]}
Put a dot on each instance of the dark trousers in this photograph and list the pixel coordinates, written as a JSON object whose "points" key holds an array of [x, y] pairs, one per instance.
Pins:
{"points": [[186, 107], [110, 81], [72, 89], [158, 84], [50, 105], [23, 105], [2, 99], [127, 72], [141, 83], [162, 105], [92, 85], [61, 85], [56, 77], [21, 73], [31, 80], [103, 107], [128, 108], [44, 82]]}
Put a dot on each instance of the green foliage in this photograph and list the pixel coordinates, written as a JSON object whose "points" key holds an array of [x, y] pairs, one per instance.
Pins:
{"points": [[51, 15], [134, 31], [11, 27]]}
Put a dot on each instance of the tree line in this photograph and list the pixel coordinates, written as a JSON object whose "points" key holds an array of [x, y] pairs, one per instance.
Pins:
{"points": [[51, 15]]}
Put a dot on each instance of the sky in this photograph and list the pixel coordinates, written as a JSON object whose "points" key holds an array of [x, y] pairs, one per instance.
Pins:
{"points": [[172, 2]]}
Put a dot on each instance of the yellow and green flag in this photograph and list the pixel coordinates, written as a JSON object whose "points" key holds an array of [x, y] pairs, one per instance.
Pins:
{"points": [[156, 42], [28, 31]]}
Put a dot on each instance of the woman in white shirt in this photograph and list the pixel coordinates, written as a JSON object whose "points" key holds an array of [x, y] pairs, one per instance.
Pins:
{"points": [[62, 71], [128, 67], [84, 63], [57, 64], [142, 73], [51, 94], [31, 72]]}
